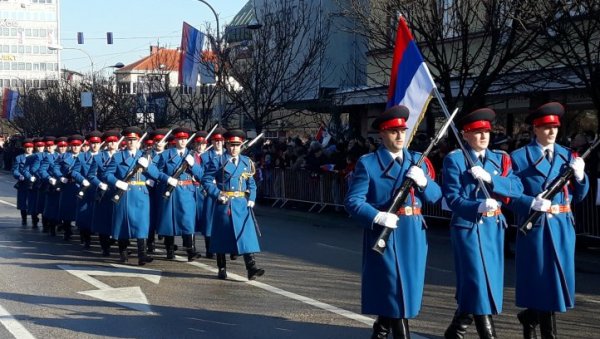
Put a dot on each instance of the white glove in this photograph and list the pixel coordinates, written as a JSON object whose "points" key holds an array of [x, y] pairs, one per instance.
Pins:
{"points": [[85, 183], [64, 180], [189, 159], [32, 179], [122, 185], [479, 173], [541, 204], [103, 186], [143, 162], [250, 203], [150, 182], [222, 198], [386, 219], [578, 165], [21, 178], [417, 175], [489, 205], [52, 181], [172, 181]]}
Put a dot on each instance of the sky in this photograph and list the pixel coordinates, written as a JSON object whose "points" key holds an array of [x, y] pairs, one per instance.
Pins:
{"points": [[136, 24]]}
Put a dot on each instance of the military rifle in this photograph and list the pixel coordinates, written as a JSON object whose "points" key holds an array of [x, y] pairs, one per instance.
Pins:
{"points": [[400, 197], [132, 171], [556, 186], [183, 166]]}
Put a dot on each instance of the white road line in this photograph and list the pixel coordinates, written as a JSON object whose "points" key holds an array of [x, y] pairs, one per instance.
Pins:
{"points": [[338, 248], [7, 203], [13, 326], [330, 308]]}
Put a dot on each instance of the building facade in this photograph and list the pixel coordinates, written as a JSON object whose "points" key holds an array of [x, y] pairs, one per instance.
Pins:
{"points": [[27, 27]]}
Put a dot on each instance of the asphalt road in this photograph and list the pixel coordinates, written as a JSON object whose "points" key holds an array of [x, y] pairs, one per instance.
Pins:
{"points": [[55, 289]]}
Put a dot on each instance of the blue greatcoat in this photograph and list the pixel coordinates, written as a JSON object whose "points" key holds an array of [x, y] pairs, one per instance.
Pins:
{"points": [[545, 257], [478, 240], [234, 229], [18, 170], [392, 283], [178, 212], [32, 165], [103, 208], [200, 196], [209, 159], [156, 198], [131, 218], [85, 206], [51, 207], [65, 166]]}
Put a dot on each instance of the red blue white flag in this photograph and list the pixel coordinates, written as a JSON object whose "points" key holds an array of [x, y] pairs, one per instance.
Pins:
{"points": [[192, 41], [411, 83], [9, 103]]}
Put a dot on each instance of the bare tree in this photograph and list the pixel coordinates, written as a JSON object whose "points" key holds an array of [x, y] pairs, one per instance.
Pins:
{"points": [[572, 42], [473, 48], [281, 66]]}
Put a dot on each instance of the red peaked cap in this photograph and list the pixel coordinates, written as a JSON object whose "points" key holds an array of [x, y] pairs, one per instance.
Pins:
{"points": [[479, 119], [547, 114], [393, 117]]}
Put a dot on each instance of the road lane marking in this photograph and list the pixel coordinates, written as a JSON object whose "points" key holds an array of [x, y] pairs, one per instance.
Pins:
{"points": [[330, 308], [13, 326], [7, 203], [130, 297], [338, 248]]}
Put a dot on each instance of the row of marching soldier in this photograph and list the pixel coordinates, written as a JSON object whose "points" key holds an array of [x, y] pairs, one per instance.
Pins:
{"points": [[476, 183], [132, 185]]}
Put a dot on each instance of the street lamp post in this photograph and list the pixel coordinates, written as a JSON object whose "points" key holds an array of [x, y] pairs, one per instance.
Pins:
{"points": [[254, 25]]}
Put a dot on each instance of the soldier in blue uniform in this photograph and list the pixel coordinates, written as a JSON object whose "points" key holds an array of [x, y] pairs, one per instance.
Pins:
{"points": [[131, 218], [392, 282], [48, 156], [477, 226], [64, 169], [212, 156], [47, 172], [200, 143], [545, 256], [103, 206], [22, 185], [230, 181], [156, 188], [178, 212], [32, 165]]}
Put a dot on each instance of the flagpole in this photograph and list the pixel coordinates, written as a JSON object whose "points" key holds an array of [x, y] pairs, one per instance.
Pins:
{"points": [[467, 154]]}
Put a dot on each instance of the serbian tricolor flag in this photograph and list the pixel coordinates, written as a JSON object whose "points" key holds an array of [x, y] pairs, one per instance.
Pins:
{"points": [[411, 83], [192, 41], [9, 103]]}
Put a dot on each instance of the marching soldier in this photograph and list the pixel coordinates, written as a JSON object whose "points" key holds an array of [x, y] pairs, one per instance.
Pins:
{"points": [[200, 194], [230, 182], [32, 165], [64, 168], [157, 188], [18, 171], [103, 206], [212, 156], [52, 206], [392, 282], [545, 256], [477, 225], [85, 203], [131, 218], [178, 211], [48, 156]]}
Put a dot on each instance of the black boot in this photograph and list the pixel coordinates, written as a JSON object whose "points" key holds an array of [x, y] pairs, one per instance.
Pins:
{"points": [[52, 227], [23, 217], [485, 326], [68, 231], [547, 322], [233, 256], [458, 326], [169, 246], [34, 221], [150, 242], [529, 320], [209, 255], [222, 266], [400, 329], [45, 224], [188, 243], [105, 244], [381, 328], [123, 250], [86, 238], [253, 271], [143, 258]]}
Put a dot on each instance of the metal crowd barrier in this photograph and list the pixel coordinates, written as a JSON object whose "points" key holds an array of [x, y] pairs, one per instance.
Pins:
{"points": [[329, 189]]}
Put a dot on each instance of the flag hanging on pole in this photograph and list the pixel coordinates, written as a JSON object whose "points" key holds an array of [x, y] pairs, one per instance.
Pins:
{"points": [[192, 41], [9, 103], [411, 83]]}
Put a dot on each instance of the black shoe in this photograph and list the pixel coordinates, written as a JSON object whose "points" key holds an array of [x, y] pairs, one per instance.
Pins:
{"points": [[381, 328], [529, 320], [143, 258], [233, 256], [459, 325], [222, 274], [255, 272], [485, 326], [191, 255], [123, 257]]}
